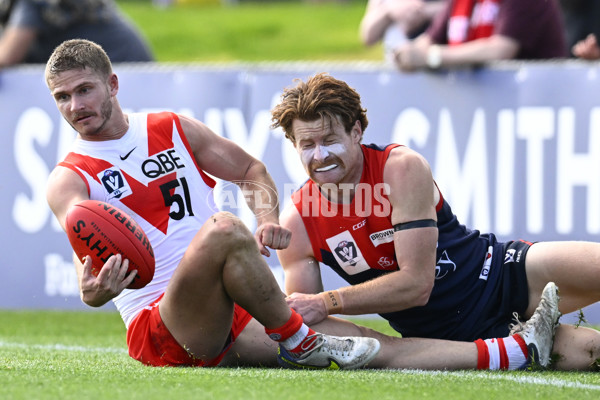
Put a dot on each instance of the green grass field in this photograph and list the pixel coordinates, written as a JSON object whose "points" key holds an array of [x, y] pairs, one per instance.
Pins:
{"points": [[82, 355], [253, 31]]}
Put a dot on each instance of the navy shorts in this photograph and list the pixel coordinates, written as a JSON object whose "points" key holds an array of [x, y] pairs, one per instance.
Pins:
{"points": [[512, 292]]}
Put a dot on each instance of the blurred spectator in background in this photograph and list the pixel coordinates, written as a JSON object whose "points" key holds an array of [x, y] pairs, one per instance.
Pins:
{"points": [[587, 48], [395, 21], [470, 32], [582, 24], [31, 29]]}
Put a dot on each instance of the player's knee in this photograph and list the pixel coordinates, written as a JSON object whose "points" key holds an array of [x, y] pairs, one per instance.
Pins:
{"points": [[226, 228], [592, 349], [587, 353], [577, 348]]}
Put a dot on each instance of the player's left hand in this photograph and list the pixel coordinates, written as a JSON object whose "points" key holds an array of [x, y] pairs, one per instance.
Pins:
{"points": [[272, 235], [310, 306]]}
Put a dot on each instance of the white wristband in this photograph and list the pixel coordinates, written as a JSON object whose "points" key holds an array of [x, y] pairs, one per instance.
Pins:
{"points": [[434, 56]]}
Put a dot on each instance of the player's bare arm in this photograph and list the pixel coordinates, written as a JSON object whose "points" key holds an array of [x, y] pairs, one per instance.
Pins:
{"points": [[66, 188], [302, 270], [413, 197], [224, 159]]}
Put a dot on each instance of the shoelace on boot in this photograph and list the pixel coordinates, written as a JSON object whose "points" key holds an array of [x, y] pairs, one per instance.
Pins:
{"points": [[517, 326], [343, 346]]}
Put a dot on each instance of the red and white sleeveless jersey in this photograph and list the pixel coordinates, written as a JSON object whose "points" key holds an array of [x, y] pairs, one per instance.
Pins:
{"points": [[356, 239], [151, 174]]}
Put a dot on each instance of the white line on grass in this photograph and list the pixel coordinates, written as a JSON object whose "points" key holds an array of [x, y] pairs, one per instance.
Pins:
{"points": [[467, 375], [526, 379], [62, 347]]}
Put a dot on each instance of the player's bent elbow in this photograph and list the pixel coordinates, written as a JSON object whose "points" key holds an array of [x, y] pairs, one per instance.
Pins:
{"points": [[420, 301], [422, 295]]}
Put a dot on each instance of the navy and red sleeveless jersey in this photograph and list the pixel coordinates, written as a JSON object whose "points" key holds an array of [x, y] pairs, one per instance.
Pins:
{"points": [[356, 241]]}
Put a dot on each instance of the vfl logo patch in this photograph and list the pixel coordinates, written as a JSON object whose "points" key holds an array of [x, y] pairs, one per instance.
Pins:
{"points": [[346, 253], [382, 237], [444, 265], [114, 183]]}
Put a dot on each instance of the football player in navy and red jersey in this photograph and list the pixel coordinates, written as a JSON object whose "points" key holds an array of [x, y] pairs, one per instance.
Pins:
{"points": [[213, 299], [377, 218]]}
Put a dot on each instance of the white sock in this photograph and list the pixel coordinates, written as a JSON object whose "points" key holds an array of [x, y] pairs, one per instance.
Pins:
{"points": [[294, 341], [516, 355], [505, 353]]}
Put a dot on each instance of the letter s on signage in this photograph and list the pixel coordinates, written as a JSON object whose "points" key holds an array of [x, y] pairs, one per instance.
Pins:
{"points": [[34, 125]]}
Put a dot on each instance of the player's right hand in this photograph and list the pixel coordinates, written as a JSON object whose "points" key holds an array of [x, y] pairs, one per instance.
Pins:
{"points": [[272, 235], [110, 282]]}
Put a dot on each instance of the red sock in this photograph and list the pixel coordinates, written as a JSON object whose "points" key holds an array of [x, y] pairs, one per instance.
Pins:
{"points": [[483, 355], [293, 334]]}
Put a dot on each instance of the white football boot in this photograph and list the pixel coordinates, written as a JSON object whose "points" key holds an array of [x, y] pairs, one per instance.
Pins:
{"points": [[538, 331], [331, 352]]}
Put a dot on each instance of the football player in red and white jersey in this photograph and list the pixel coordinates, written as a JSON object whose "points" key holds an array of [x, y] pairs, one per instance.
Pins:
{"points": [[210, 278]]}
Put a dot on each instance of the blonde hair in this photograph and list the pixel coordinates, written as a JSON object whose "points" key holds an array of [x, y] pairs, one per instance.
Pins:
{"points": [[78, 54]]}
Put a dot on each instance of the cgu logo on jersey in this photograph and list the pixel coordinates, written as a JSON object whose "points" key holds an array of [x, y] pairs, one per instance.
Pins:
{"points": [[114, 183], [359, 225]]}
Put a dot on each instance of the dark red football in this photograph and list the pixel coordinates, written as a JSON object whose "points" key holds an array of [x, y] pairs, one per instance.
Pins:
{"points": [[100, 230]]}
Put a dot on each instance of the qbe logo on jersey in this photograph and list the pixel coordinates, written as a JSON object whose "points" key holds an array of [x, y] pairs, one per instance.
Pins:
{"points": [[114, 183]]}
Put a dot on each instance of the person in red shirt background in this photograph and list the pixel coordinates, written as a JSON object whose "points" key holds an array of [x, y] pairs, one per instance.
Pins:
{"points": [[471, 32]]}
